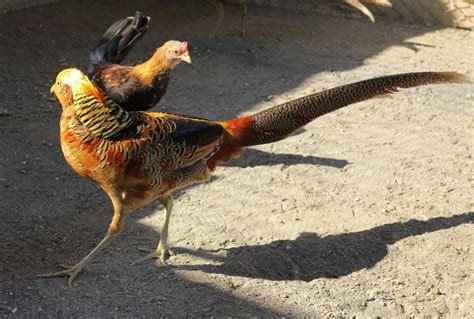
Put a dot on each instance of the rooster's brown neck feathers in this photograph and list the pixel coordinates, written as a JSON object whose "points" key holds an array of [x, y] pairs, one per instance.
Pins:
{"points": [[157, 64]]}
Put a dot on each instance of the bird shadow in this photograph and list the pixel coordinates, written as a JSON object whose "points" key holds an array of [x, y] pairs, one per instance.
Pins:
{"points": [[310, 256], [254, 157], [146, 289]]}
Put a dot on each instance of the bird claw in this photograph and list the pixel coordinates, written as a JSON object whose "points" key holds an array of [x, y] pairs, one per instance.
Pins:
{"points": [[239, 34], [71, 272], [64, 266], [359, 6], [161, 253]]}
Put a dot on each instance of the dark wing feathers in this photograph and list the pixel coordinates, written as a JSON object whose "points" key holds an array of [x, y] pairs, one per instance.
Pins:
{"points": [[196, 132], [174, 149], [119, 38]]}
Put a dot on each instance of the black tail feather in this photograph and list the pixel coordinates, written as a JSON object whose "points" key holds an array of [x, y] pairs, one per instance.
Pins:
{"points": [[119, 38]]}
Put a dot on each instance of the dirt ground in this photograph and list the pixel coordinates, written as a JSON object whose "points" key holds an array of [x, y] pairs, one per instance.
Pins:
{"points": [[366, 212]]}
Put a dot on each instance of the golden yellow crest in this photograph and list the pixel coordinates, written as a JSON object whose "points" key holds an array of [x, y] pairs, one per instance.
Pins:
{"points": [[79, 83]]}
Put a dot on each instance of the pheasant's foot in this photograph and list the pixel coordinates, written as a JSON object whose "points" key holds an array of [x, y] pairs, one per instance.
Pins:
{"points": [[240, 34], [71, 272], [74, 271], [162, 253]]}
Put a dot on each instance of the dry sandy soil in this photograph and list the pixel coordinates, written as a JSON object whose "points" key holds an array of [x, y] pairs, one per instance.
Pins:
{"points": [[366, 212]]}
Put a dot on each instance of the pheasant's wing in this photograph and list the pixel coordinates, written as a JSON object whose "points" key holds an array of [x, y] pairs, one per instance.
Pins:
{"points": [[170, 151], [192, 139]]}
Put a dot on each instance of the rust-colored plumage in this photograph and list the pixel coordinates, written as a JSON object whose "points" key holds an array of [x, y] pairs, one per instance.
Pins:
{"points": [[138, 157], [140, 87]]}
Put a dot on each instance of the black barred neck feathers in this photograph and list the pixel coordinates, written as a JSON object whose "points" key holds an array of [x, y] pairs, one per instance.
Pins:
{"points": [[103, 119], [97, 112]]}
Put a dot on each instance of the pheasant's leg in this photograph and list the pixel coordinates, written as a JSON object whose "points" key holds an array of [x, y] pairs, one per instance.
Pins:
{"points": [[220, 17], [243, 13], [161, 251], [114, 229], [163, 244]]}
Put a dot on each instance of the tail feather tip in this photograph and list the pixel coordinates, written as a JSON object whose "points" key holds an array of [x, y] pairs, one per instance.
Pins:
{"points": [[456, 77]]}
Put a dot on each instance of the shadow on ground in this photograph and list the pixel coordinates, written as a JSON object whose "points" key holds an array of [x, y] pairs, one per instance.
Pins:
{"points": [[109, 284], [253, 157], [309, 256]]}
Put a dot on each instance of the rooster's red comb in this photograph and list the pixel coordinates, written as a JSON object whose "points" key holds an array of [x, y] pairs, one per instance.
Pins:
{"points": [[184, 48]]}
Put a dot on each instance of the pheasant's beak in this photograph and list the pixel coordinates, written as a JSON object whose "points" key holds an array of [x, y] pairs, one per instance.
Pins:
{"points": [[53, 87], [186, 57]]}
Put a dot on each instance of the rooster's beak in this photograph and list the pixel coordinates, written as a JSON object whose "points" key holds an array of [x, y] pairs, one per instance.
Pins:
{"points": [[186, 58]]}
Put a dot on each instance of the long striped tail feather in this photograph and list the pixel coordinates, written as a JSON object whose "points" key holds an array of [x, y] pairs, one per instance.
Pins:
{"points": [[278, 122]]}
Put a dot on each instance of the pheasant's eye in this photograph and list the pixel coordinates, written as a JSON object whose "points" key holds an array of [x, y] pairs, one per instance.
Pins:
{"points": [[175, 51]]}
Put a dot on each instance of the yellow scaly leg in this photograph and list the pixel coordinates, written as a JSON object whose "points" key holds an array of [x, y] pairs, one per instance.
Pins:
{"points": [[161, 252]]}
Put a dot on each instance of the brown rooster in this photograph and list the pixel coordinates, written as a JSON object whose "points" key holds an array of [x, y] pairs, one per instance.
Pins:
{"points": [[138, 157], [140, 87]]}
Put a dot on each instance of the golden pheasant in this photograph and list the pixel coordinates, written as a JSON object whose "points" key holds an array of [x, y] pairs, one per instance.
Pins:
{"points": [[138, 157], [140, 87]]}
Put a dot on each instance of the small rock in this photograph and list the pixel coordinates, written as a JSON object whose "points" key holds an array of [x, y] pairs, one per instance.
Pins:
{"points": [[371, 294], [269, 97], [46, 143], [435, 291], [4, 112]]}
